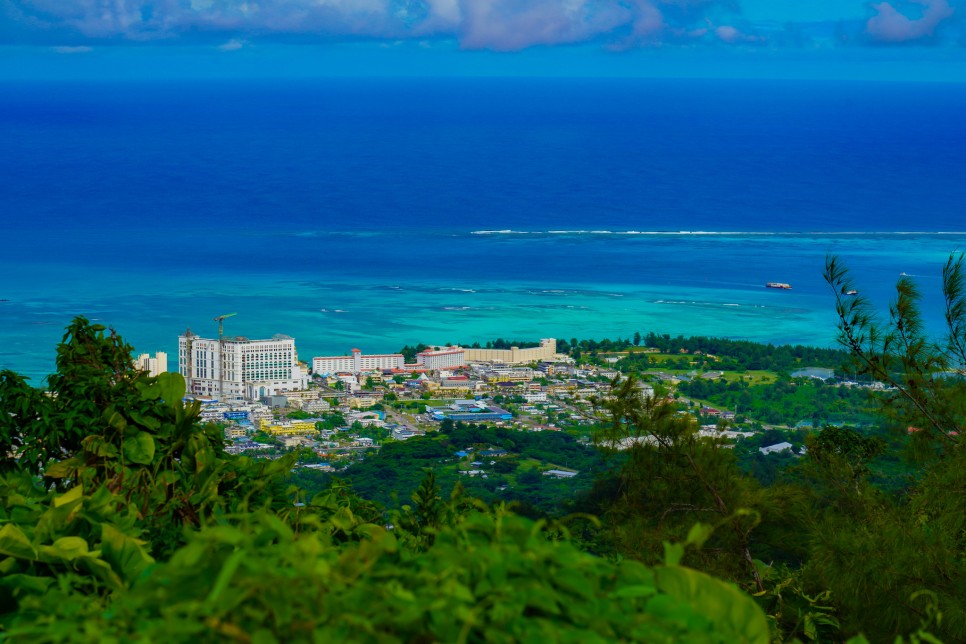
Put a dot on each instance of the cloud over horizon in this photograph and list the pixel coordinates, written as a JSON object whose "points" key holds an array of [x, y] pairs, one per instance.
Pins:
{"points": [[890, 25], [499, 25]]}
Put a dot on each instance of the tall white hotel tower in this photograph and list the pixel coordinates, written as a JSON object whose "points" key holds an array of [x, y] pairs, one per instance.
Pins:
{"points": [[236, 368]]}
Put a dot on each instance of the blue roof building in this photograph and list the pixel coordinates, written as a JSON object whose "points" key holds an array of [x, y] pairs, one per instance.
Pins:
{"points": [[468, 410]]}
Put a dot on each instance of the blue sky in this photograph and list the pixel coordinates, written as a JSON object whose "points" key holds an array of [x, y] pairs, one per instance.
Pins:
{"points": [[847, 39]]}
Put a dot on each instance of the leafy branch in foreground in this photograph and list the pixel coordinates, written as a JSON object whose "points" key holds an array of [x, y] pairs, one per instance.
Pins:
{"points": [[868, 549], [925, 374]]}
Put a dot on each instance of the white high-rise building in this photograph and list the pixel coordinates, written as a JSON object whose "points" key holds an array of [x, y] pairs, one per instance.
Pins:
{"points": [[236, 368], [153, 365]]}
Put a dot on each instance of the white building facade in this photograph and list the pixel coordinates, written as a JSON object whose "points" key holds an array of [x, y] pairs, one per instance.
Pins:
{"points": [[238, 368], [441, 358], [358, 362], [154, 365]]}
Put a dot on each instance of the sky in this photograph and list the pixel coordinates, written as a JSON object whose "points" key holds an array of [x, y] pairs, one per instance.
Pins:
{"points": [[147, 39]]}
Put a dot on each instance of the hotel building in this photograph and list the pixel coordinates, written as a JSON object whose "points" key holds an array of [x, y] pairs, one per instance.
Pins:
{"points": [[236, 368], [357, 363], [441, 358], [515, 355], [153, 365]]}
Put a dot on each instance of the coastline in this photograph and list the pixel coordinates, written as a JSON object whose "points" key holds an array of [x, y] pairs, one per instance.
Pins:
{"points": [[474, 288]]}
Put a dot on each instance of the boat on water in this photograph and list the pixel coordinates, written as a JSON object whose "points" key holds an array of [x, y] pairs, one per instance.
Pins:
{"points": [[781, 285], [852, 292]]}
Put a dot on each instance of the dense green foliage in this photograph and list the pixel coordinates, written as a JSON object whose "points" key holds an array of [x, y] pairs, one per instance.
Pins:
{"points": [[409, 352], [750, 355], [396, 471], [670, 479], [788, 401]]}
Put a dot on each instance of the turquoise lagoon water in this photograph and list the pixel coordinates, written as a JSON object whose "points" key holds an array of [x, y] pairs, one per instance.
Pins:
{"points": [[584, 285]]}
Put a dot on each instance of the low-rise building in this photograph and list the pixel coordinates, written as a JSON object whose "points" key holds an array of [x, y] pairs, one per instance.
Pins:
{"points": [[404, 433], [468, 411], [290, 428], [317, 405], [440, 358], [357, 363], [509, 375], [547, 351], [560, 474], [777, 447]]}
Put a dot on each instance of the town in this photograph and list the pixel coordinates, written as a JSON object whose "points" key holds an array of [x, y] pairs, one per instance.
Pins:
{"points": [[338, 409]]}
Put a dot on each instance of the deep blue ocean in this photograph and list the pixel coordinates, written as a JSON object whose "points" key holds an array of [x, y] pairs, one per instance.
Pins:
{"points": [[383, 212]]}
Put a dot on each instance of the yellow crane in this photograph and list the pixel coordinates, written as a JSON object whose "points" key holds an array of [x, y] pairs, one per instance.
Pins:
{"points": [[221, 323]]}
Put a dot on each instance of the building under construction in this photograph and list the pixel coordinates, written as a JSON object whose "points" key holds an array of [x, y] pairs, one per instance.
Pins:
{"points": [[236, 368]]}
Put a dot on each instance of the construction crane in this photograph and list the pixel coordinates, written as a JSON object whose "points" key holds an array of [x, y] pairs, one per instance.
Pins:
{"points": [[221, 353], [221, 323], [188, 335]]}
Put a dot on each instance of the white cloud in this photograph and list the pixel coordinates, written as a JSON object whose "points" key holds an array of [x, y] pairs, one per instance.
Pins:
{"points": [[892, 26], [730, 34], [503, 25]]}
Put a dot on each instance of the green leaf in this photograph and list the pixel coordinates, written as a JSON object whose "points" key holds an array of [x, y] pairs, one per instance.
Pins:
{"points": [[633, 592], [117, 422], [733, 613], [224, 576], [139, 448], [673, 553], [698, 534], [26, 583], [69, 548], [124, 553], [150, 391], [14, 543], [263, 636], [543, 600], [172, 388], [574, 583], [61, 469], [149, 422], [74, 494]]}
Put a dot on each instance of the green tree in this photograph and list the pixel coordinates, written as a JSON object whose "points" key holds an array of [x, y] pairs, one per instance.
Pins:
{"points": [[921, 370], [670, 479], [904, 555]]}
